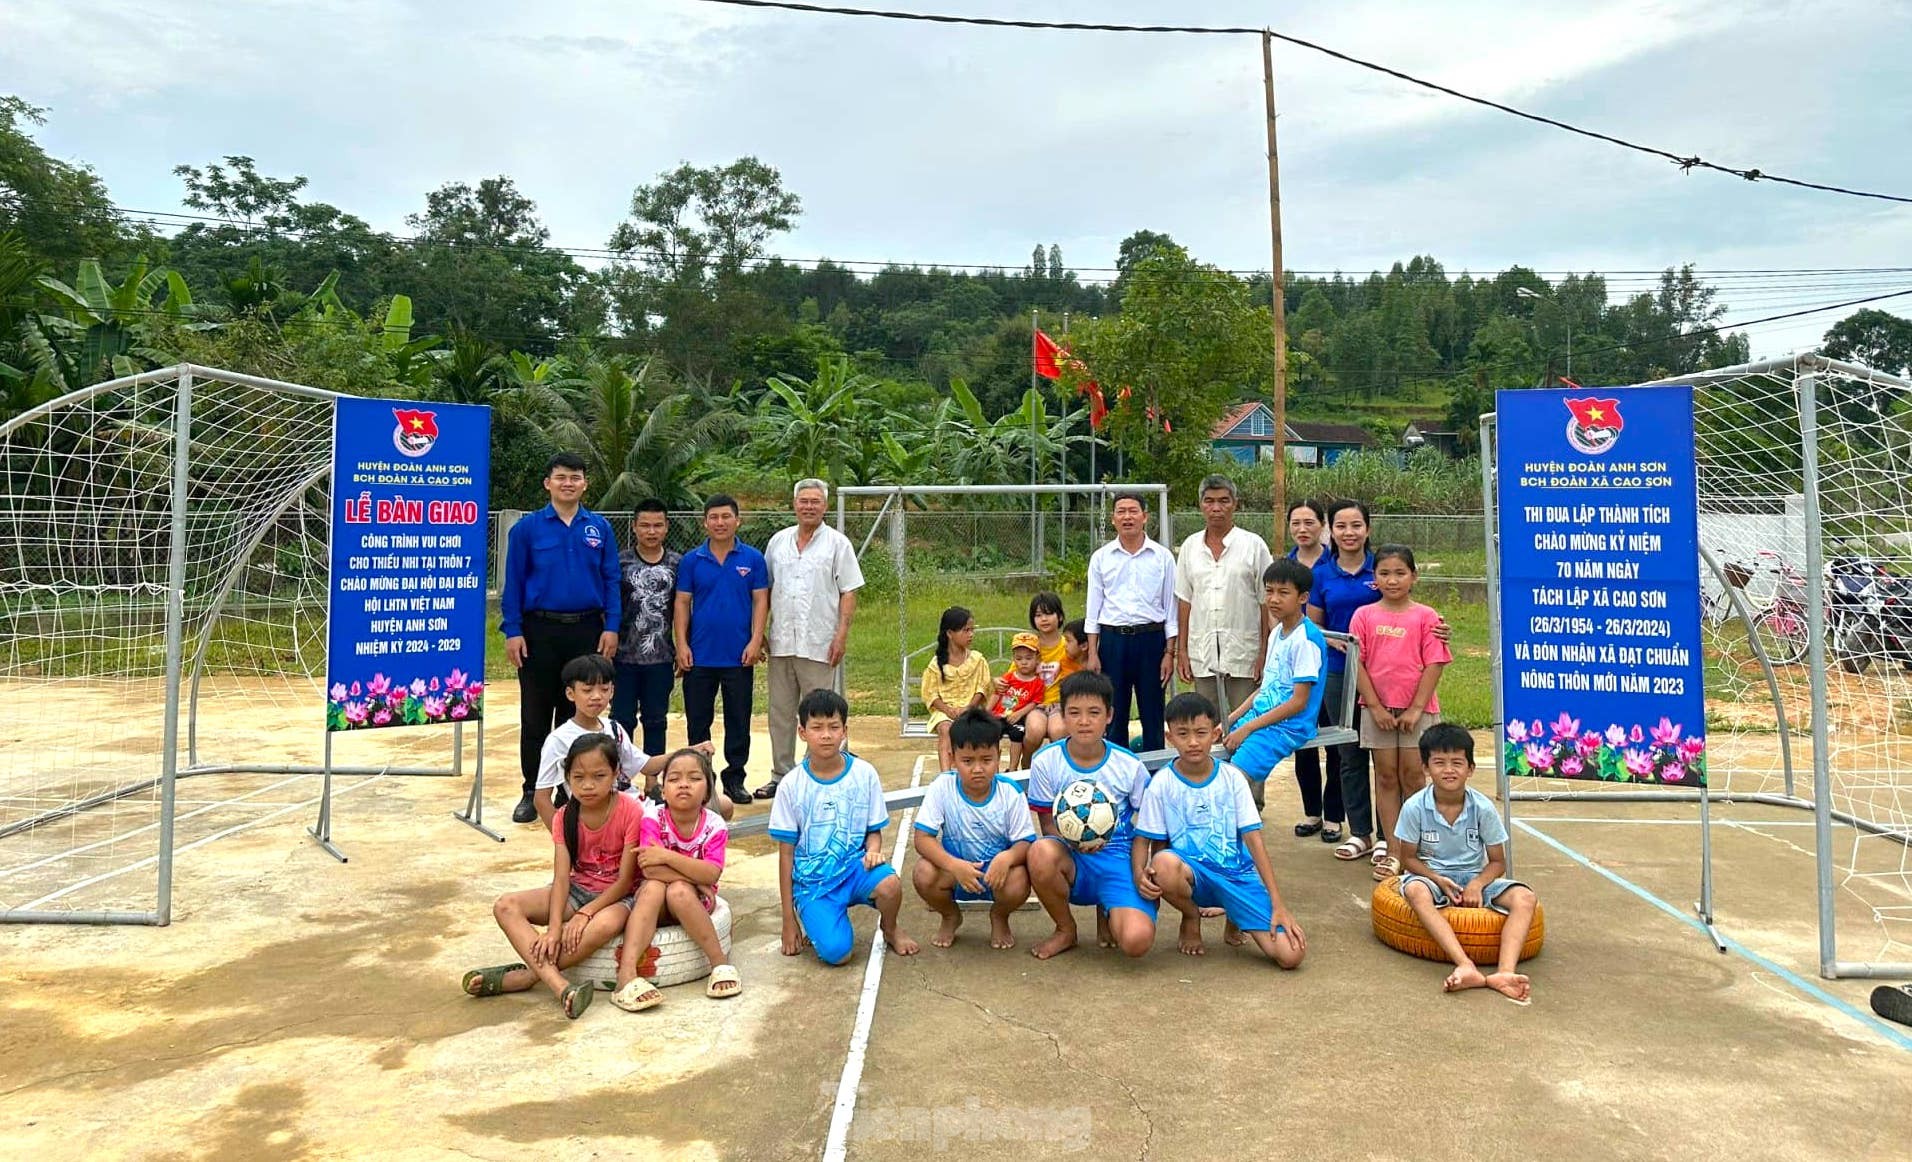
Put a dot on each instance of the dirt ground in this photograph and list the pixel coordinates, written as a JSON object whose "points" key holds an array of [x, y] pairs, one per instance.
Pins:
{"points": [[302, 1008]]}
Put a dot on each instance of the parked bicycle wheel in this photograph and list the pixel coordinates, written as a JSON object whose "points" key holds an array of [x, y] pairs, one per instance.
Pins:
{"points": [[1782, 631]]}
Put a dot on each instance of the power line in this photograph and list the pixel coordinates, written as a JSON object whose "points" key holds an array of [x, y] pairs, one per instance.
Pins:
{"points": [[1686, 162]]}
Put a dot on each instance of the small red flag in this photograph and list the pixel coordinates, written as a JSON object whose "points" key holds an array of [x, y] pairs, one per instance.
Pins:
{"points": [[1046, 352]]}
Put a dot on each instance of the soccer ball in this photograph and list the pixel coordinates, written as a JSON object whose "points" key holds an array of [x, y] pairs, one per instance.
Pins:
{"points": [[1084, 813]]}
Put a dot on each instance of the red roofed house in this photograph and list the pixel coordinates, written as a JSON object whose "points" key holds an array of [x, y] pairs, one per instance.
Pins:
{"points": [[1247, 433]]}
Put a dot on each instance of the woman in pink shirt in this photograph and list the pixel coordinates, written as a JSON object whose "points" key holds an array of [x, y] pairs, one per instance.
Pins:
{"points": [[1402, 657]]}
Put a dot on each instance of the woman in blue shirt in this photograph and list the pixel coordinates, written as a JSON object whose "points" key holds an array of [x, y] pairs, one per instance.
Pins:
{"points": [[1320, 802], [1344, 582]]}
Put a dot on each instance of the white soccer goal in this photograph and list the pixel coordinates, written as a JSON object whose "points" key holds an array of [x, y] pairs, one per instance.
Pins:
{"points": [[1805, 493], [163, 577]]}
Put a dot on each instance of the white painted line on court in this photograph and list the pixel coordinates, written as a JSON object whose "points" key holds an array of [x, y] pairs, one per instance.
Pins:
{"points": [[836, 1145], [1669, 822]]}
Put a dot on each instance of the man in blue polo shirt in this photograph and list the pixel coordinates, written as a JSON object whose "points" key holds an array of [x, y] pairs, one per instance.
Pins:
{"points": [[723, 603], [560, 599]]}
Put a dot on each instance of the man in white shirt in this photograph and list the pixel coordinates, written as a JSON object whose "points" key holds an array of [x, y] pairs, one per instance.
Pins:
{"points": [[814, 577], [1218, 600], [1130, 619]]}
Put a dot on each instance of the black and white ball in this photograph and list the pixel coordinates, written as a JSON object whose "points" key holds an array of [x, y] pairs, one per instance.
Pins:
{"points": [[1084, 814]]}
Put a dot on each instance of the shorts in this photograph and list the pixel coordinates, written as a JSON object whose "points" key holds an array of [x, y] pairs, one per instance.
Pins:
{"points": [[1374, 738], [581, 895], [1013, 731], [1488, 894], [1264, 750], [824, 911], [1104, 878], [1240, 894]]}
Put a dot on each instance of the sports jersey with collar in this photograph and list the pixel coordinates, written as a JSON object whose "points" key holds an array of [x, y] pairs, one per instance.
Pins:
{"points": [[1203, 821], [828, 820], [970, 830], [1119, 773]]}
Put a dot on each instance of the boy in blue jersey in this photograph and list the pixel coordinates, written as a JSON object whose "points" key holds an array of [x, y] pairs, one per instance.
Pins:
{"points": [[973, 833], [1449, 839], [1098, 873], [1199, 842], [1280, 719], [828, 825]]}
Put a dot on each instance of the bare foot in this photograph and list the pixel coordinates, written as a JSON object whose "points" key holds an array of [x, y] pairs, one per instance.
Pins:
{"points": [[1211, 913], [1232, 935], [899, 942], [1059, 942], [946, 935], [1191, 937], [1512, 985], [999, 934], [1104, 938], [1468, 977]]}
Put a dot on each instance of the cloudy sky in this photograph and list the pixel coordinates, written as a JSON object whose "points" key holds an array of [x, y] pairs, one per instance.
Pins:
{"points": [[927, 143]]}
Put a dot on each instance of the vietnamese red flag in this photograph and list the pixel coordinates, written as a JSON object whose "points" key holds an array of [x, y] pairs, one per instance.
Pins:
{"points": [[1046, 352]]}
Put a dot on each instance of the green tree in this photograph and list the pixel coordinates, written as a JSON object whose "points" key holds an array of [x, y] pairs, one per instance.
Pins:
{"points": [[638, 436], [61, 212], [483, 265], [1875, 338]]}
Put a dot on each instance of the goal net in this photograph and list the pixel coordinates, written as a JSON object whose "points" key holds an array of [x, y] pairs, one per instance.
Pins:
{"points": [[1773, 441], [163, 574]]}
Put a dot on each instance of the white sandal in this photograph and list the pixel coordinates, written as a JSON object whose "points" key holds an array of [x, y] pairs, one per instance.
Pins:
{"points": [[1380, 852], [724, 974], [1353, 848], [637, 996]]}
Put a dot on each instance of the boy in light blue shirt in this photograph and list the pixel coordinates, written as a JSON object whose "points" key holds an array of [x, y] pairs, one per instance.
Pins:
{"points": [[1280, 719], [828, 825], [973, 833], [1449, 839], [1199, 842]]}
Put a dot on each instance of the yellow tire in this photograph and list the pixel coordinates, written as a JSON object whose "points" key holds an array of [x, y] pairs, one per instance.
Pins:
{"points": [[1478, 929]]}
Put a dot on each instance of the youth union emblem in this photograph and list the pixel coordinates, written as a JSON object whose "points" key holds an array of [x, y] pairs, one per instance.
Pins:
{"points": [[416, 432], [1593, 425]]}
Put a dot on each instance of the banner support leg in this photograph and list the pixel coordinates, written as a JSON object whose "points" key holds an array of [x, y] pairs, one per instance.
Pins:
{"points": [[473, 816], [1703, 907], [322, 830]]}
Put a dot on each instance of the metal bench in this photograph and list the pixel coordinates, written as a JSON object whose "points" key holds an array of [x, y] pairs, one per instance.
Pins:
{"points": [[1338, 733]]}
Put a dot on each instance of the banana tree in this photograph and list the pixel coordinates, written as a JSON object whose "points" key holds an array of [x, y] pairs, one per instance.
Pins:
{"points": [[106, 330]]}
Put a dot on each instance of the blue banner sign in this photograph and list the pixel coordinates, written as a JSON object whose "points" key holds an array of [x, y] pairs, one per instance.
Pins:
{"points": [[1601, 662], [405, 620]]}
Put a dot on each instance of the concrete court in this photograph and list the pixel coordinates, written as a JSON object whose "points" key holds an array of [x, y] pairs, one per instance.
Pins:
{"points": [[298, 1008]]}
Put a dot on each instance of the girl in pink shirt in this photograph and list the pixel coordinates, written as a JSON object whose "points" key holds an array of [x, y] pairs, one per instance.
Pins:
{"points": [[681, 855], [595, 836], [1401, 663]]}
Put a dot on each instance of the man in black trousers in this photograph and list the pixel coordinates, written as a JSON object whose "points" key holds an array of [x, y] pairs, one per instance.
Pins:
{"points": [[560, 599], [1130, 617]]}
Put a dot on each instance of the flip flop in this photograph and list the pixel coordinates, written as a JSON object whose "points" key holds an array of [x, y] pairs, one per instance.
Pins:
{"points": [[637, 996], [577, 998], [1893, 1002], [490, 981], [1309, 827], [723, 974]]}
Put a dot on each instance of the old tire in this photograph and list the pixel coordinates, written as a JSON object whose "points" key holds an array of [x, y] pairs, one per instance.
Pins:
{"points": [[1478, 929], [672, 959]]}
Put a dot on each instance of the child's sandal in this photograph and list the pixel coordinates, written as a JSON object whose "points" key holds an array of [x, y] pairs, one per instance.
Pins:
{"points": [[576, 999], [490, 981], [724, 983], [1386, 868], [637, 996]]}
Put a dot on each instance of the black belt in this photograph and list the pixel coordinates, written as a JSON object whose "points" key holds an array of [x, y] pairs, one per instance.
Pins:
{"points": [[1132, 630], [566, 618]]}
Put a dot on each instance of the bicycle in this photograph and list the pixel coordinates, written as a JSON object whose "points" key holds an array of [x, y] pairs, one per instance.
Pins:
{"points": [[1780, 621]]}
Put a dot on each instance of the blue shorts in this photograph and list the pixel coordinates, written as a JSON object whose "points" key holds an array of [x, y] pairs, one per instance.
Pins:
{"points": [[825, 912], [1263, 751], [1104, 878], [1241, 894], [1489, 895]]}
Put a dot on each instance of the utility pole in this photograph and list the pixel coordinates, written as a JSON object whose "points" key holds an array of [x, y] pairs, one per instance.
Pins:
{"points": [[1278, 313]]}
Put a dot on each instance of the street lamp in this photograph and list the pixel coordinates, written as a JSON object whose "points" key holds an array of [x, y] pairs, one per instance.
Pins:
{"points": [[1530, 293]]}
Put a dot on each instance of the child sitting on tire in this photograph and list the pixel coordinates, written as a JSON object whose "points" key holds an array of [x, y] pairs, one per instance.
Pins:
{"points": [[680, 854], [1449, 839]]}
